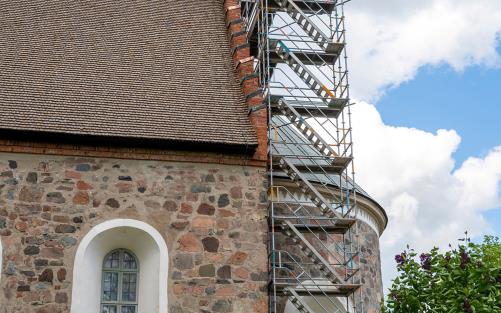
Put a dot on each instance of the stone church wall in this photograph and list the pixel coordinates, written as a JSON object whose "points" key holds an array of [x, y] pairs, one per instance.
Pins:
{"points": [[211, 216], [370, 269]]}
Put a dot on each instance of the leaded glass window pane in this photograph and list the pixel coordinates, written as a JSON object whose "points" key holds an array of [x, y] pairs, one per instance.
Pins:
{"points": [[129, 287], [110, 309], [120, 282], [129, 261], [128, 309], [110, 286], [113, 260]]}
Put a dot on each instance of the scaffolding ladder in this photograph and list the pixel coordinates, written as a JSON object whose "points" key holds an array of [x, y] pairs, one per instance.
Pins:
{"points": [[300, 57]]}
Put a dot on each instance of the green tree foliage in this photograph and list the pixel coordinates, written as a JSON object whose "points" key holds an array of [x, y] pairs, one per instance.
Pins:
{"points": [[465, 279]]}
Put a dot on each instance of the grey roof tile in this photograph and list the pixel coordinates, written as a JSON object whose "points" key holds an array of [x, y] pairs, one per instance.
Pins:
{"points": [[141, 69]]}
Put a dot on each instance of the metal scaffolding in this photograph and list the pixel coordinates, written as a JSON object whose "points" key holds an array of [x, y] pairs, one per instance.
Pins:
{"points": [[300, 57]]}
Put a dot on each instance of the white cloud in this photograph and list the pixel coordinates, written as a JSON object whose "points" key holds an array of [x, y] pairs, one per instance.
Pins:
{"points": [[410, 172], [481, 178], [389, 40], [404, 209]]}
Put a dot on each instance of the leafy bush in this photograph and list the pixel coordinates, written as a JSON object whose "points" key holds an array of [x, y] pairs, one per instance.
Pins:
{"points": [[465, 279]]}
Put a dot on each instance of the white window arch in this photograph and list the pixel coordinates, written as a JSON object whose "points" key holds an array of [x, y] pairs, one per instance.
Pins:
{"points": [[150, 250]]}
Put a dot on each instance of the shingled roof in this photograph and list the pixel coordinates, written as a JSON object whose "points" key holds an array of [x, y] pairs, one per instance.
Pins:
{"points": [[126, 69]]}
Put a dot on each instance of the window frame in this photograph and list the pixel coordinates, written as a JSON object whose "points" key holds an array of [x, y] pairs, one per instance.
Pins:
{"points": [[119, 303]]}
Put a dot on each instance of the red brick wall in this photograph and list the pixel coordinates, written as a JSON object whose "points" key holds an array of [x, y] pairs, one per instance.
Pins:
{"points": [[244, 67]]}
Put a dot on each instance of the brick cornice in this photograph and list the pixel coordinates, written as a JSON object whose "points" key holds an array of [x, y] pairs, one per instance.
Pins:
{"points": [[244, 67], [15, 146]]}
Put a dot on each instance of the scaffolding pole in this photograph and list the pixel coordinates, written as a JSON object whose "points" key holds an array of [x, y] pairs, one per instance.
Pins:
{"points": [[302, 65]]}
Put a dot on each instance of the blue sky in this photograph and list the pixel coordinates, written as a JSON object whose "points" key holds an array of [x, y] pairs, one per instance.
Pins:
{"points": [[440, 97], [426, 76]]}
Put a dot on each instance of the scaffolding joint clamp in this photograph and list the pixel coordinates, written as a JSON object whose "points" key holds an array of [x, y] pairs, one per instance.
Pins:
{"points": [[247, 77], [239, 47], [257, 108]]}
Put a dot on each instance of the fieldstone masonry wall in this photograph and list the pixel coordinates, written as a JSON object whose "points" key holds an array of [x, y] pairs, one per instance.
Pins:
{"points": [[370, 269], [212, 218]]}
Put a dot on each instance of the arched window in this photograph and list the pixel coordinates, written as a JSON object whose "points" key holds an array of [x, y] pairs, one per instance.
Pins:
{"points": [[119, 282], [152, 259]]}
